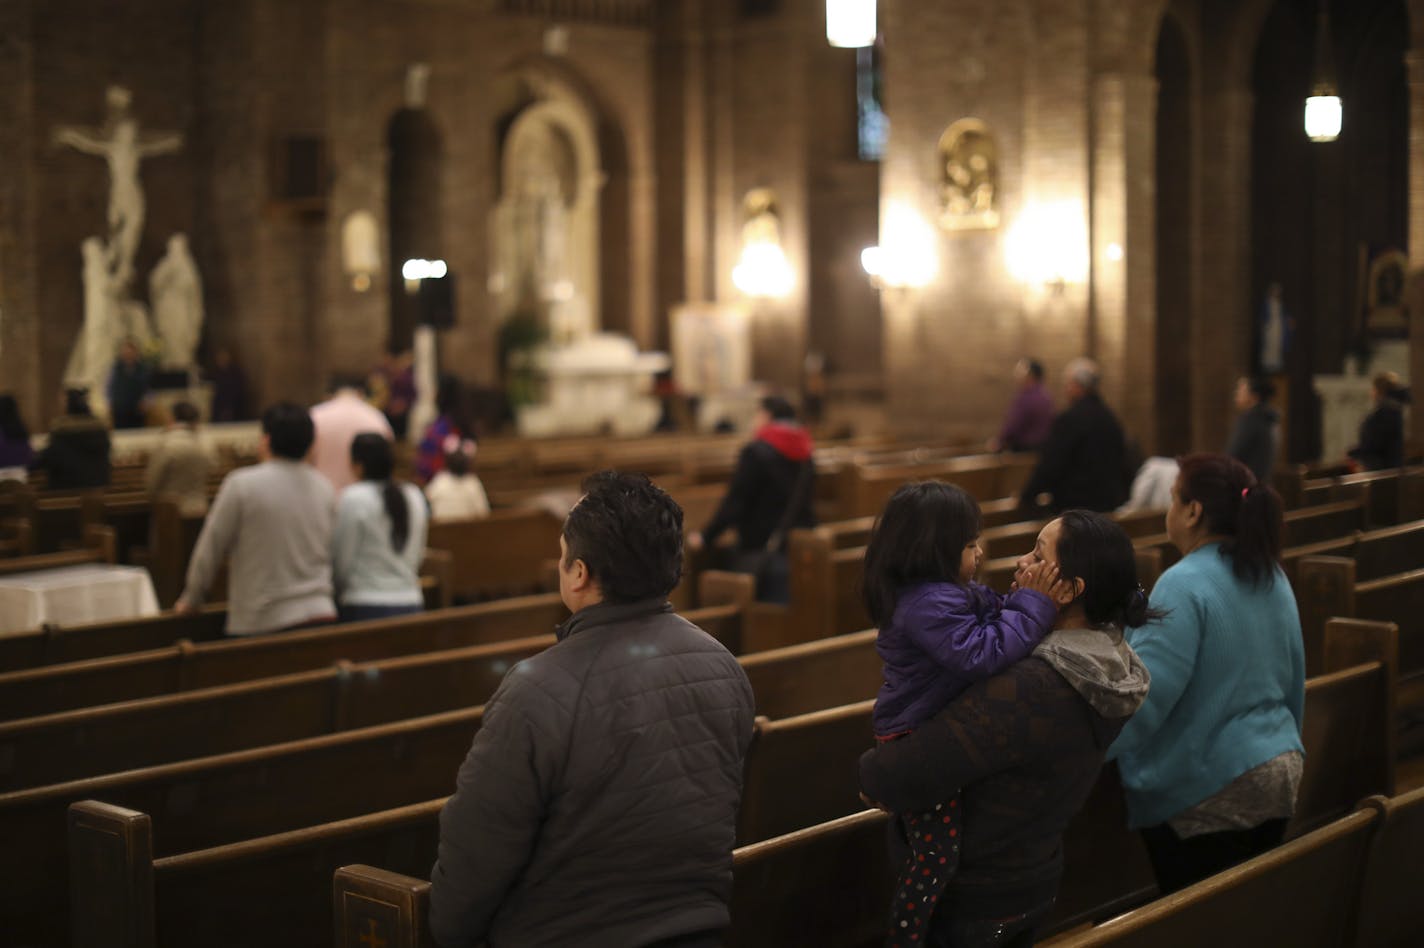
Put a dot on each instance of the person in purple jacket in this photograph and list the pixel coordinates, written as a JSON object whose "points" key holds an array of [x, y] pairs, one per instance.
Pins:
{"points": [[1030, 414], [940, 632]]}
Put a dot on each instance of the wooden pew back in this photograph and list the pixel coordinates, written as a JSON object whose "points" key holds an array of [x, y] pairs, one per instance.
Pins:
{"points": [[802, 678], [1301, 894], [498, 555], [803, 770], [1390, 910]]}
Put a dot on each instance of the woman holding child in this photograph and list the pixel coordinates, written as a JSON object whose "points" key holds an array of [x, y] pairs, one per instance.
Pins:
{"points": [[996, 711]]}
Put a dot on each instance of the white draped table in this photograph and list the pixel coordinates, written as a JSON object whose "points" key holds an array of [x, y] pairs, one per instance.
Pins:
{"points": [[75, 595]]}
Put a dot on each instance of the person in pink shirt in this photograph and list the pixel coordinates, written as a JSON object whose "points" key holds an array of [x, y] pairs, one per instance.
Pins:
{"points": [[338, 421]]}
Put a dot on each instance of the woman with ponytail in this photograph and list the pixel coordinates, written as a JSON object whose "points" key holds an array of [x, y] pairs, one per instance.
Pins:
{"points": [[1021, 750], [379, 538], [1212, 762]]}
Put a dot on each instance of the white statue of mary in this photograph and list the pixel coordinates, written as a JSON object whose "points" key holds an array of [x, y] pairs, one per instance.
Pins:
{"points": [[176, 292]]}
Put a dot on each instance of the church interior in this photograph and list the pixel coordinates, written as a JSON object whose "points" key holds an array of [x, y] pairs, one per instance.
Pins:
{"points": [[611, 229]]}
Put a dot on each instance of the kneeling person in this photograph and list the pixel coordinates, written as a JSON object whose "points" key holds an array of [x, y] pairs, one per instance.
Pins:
{"points": [[598, 803]]}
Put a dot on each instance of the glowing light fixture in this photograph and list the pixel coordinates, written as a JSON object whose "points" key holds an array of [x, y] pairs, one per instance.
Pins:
{"points": [[1048, 245], [850, 23], [423, 269], [763, 271], [1324, 113], [908, 255]]}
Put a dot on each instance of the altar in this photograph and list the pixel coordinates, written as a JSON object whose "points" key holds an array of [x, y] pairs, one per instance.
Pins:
{"points": [[1345, 399], [600, 384]]}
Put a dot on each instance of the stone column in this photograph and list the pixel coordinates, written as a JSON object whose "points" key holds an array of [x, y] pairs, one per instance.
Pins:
{"points": [[1123, 315], [20, 362], [1414, 65]]}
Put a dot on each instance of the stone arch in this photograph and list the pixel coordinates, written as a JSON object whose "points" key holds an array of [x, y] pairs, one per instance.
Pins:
{"points": [[538, 93]]}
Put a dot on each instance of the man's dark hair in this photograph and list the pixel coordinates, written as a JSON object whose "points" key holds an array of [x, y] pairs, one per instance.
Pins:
{"points": [[1262, 388], [628, 532], [76, 402], [184, 413], [289, 429], [1034, 368], [778, 408]]}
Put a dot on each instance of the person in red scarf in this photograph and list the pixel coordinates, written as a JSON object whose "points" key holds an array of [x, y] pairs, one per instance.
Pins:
{"points": [[771, 493]]}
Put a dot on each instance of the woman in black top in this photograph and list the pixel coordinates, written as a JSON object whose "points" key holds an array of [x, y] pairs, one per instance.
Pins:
{"points": [[1382, 432]]}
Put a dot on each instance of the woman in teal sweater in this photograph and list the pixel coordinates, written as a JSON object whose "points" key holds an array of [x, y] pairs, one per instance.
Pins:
{"points": [[1212, 761]]}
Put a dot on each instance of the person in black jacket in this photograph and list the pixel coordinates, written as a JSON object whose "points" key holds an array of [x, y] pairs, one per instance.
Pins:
{"points": [[1023, 748], [1082, 462], [771, 492], [78, 451], [1256, 436], [1382, 432], [598, 803]]}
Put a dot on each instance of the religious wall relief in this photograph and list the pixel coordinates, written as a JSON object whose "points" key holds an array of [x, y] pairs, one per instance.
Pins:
{"points": [[969, 177]]}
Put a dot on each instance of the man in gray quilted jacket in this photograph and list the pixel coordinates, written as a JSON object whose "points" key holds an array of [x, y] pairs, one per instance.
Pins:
{"points": [[597, 805]]}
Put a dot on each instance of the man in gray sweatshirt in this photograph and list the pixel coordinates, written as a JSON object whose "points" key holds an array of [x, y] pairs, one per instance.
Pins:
{"points": [[272, 522]]}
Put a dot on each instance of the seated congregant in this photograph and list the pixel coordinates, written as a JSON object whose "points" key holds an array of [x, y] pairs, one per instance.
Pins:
{"points": [[128, 387], [272, 523], [1381, 444], [338, 421], [16, 454], [1082, 462], [1256, 436], [179, 465], [77, 454], [456, 493], [1030, 414]]}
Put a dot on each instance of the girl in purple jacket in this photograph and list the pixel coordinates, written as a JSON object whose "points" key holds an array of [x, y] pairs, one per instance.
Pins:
{"points": [[939, 633]]}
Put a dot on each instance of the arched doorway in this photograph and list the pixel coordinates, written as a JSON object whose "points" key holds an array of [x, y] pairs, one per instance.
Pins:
{"points": [[1174, 230], [1321, 212]]}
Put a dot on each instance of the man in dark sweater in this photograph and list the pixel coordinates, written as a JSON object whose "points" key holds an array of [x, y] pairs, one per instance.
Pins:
{"points": [[771, 492], [1256, 435], [598, 803], [1082, 462]]}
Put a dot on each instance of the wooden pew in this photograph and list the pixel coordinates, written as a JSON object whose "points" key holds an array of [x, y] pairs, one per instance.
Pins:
{"points": [[1300, 894], [803, 770], [274, 891], [802, 678], [984, 476], [1328, 588], [826, 886], [501, 554], [188, 667], [98, 548], [1391, 913], [1323, 522], [184, 666], [53, 645], [1349, 744], [227, 798]]}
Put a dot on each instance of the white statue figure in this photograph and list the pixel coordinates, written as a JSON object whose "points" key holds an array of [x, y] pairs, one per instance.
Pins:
{"points": [[121, 146], [94, 344], [176, 292]]}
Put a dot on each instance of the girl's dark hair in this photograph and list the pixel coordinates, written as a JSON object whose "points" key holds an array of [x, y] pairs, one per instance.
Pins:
{"points": [[1097, 550], [919, 538], [373, 452], [457, 462], [1248, 514], [12, 426]]}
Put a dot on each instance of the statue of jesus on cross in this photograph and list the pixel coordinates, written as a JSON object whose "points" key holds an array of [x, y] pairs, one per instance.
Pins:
{"points": [[120, 144]]}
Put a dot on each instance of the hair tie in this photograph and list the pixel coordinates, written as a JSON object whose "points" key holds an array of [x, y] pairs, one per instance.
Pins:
{"points": [[1244, 492]]}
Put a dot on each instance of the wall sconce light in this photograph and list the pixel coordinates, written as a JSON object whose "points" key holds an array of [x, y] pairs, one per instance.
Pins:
{"points": [[907, 257], [360, 249], [416, 270], [1324, 113], [762, 270], [850, 23], [1048, 246]]}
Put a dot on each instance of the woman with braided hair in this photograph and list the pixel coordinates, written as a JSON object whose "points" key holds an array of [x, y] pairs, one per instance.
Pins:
{"points": [[1212, 762]]}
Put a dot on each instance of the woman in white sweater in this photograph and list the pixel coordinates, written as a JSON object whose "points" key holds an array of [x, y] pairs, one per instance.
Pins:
{"points": [[379, 540]]}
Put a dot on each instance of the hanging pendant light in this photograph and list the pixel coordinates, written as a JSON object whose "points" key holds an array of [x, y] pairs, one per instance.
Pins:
{"points": [[1324, 113], [850, 23]]}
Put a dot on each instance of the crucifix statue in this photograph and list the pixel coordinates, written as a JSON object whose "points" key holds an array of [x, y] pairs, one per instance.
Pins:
{"points": [[119, 143]]}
